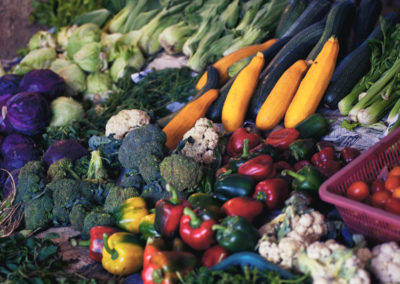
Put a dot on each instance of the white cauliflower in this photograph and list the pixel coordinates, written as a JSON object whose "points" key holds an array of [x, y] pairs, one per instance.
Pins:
{"points": [[125, 121], [385, 262], [203, 141], [331, 262]]}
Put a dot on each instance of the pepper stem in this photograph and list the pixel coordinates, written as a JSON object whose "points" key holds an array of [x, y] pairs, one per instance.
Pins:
{"points": [[174, 198], [218, 227], [246, 152], [195, 221], [112, 252], [84, 243], [293, 174]]}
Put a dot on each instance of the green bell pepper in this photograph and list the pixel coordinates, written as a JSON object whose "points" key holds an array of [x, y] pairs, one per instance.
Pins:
{"points": [[307, 178], [233, 185], [315, 126], [302, 149], [236, 234], [207, 202]]}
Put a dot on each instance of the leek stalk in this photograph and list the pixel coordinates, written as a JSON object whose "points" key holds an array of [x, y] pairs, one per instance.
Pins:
{"points": [[377, 110], [394, 113]]}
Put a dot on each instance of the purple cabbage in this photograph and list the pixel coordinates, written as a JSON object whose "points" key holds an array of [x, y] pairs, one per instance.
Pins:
{"points": [[3, 100], [26, 113], [14, 140], [9, 84], [64, 149], [19, 156], [44, 81], [8, 186]]}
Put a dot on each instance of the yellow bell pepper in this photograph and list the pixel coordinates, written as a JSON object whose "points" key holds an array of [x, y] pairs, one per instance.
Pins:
{"points": [[122, 253], [129, 214]]}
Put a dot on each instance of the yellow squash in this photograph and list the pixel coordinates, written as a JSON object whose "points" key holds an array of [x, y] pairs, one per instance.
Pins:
{"points": [[274, 108], [239, 95], [314, 85], [225, 62], [187, 117]]}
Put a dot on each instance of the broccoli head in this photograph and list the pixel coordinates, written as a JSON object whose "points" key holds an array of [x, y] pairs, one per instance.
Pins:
{"points": [[62, 169], [117, 195], [60, 216], [81, 166], [130, 178], [77, 215], [97, 217], [38, 212], [31, 181], [149, 168], [141, 142], [181, 172]]}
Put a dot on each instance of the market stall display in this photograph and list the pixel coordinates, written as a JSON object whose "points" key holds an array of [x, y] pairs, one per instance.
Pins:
{"points": [[220, 170]]}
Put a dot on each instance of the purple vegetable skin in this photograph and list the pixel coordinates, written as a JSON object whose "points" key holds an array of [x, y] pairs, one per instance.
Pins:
{"points": [[19, 156], [9, 84], [13, 140], [64, 149], [44, 81]]}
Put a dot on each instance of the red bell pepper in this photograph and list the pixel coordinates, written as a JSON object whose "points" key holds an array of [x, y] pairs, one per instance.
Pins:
{"points": [[96, 241], [325, 160], [300, 164], [196, 231], [329, 168], [153, 246], [282, 165], [169, 213], [282, 138], [213, 255], [348, 154], [324, 155], [235, 142], [258, 168], [273, 191], [244, 206]]}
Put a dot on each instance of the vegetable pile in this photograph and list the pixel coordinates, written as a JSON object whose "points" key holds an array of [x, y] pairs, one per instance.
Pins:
{"points": [[196, 177]]}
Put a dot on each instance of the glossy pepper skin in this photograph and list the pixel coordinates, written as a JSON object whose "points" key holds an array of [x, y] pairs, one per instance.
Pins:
{"points": [[236, 141], [258, 168], [273, 192], [206, 202], [235, 234], [244, 206], [213, 255], [146, 226], [236, 161], [302, 149], [122, 253], [315, 126], [307, 178], [325, 161], [129, 214], [233, 185], [96, 241], [264, 149], [169, 213], [348, 154], [166, 267], [282, 138], [196, 231]]}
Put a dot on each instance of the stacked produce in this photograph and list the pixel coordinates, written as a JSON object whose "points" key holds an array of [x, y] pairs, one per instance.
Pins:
{"points": [[229, 180]]}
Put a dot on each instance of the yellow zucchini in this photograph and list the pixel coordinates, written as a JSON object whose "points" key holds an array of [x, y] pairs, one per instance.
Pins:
{"points": [[239, 95], [223, 64], [313, 86], [274, 108], [187, 117]]}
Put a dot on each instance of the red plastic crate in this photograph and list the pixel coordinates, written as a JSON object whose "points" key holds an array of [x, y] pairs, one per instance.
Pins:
{"points": [[374, 223]]}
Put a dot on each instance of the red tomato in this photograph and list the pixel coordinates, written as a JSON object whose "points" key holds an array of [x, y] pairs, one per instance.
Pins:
{"points": [[282, 138], [394, 172], [392, 182], [358, 190], [379, 198], [393, 205], [377, 185]]}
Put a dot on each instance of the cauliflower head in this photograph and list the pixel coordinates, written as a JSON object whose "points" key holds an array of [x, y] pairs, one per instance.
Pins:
{"points": [[202, 139], [385, 262], [126, 120]]}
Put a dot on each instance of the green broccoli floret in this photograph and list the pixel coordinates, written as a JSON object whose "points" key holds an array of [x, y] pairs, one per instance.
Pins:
{"points": [[143, 149], [81, 166], [117, 195], [131, 179], [60, 216], [31, 181], [181, 172], [38, 212], [97, 217], [62, 169], [77, 215]]}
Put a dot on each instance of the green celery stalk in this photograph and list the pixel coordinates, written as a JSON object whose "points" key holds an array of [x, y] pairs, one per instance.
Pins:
{"points": [[377, 110], [267, 17], [116, 24], [249, 10], [394, 112], [190, 45], [249, 37], [230, 15], [173, 37]]}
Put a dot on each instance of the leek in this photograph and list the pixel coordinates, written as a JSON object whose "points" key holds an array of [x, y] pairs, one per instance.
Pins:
{"points": [[230, 15], [394, 125], [249, 10], [377, 110], [115, 25], [190, 45], [267, 17], [143, 12], [394, 113], [98, 17], [375, 89], [173, 37]]}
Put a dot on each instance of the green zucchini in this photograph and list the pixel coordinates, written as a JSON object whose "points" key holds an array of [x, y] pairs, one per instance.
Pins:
{"points": [[316, 10], [300, 46], [339, 20], [367, 15], [292, 11], [214, 112]]}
